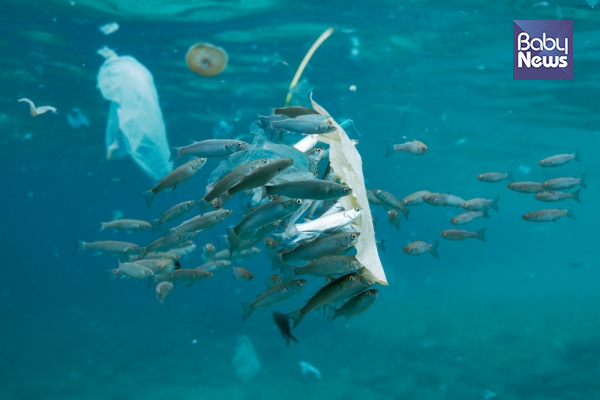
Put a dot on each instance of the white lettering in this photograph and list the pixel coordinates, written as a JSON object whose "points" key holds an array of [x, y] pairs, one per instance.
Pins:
{"points": [[524, 58], [523, 38], [536, 62]]}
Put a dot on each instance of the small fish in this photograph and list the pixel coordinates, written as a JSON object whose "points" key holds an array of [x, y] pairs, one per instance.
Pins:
{"points": [[312, 189], [456, 234], [326, 266], [551, 196], [337, 290], [154, 255], [284, 326], [130, 270], [492, 177], [355, 306], [208, 251], [184, 248], [275, 295], [420, 247], [126, 225], [443, 199], [35, 111], [306, 124], [330, 223], [564, 183], [163, 289], [391, 201], [211, 148], [171, 214], [267, 213], [229, 180], [274, 280], [226, 254], [559, 159], [260, 176], [202, 222], [548, 215], [109, 246], [270, 244], [526, 187], [414, 199], [293, 111], [331, 245], [242, 274], [185, 276], [393, 219], [480, 203], [158, 266], [415, 147], [215, 266], [174, 178], [469, 216], [169, 241]]}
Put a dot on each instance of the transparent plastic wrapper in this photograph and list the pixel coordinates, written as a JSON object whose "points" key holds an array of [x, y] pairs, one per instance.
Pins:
{"points": [[135, 124], [347, 164]]}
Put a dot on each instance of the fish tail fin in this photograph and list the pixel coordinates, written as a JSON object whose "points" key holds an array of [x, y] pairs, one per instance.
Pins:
{"points": [[109, 274], [165, 303], [330, 313], [481, 234], [381, 244], [288, 272], [575, 195], [576, 158], [155, 225], [582, 181], [151, 280], [202, 204], [495, 203], [266, 122], [433, 249], [295, 316], [391, 149], [102, 226], [484, 213], [405, 211], [79, 246], [571, 213], [276, 260], [149, 196], [292, 337], [509, 176], [175, 153], [395, 223], [247, 311], [233, 240]]}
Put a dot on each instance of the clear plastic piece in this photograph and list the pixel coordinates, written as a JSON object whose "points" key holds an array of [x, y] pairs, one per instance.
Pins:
{"points": [[135, 124]]}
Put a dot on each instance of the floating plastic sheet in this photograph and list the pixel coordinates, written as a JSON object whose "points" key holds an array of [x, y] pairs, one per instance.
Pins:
{"points": [[347, 164], [135, 124]]}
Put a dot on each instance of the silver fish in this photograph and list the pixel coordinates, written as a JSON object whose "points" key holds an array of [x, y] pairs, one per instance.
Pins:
{"points": [[492, 177], [337, 290], [551, 196], [260, 176], [564, 183], [202, 222], [394, 219], [130, 270], [443, 199], [109, 246], [526, 187], [215, 266], [126, 225], [415, 147], [242, 274], [171, 214], [329, 223], [185, 276], [158, 266], [309, 189], [559, 159], [391, 201], [326, 266], [293, 111], [548, 215], [456, 234], [275, 295], [355, 306], [174, 178], [469, 216], [211, 148], [306, 124], [228, 181], [415, 198], [267, 213], [420, 247], [480, 203], [163, 289]]}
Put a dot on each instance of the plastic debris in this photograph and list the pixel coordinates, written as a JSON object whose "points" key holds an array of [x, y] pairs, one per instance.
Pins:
{"points": [[35, 111], [306, 368], [135, 124], [109, 28], [76, 118], [245, 361]]}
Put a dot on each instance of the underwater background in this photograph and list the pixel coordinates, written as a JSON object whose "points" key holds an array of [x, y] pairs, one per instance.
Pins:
{"points": [[516, 317]]}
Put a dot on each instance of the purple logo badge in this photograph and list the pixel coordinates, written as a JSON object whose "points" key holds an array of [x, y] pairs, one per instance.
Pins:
{"points": [[542, 50]]}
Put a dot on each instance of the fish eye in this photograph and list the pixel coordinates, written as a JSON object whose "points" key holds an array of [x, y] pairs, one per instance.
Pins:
{"points": [[240, 144], [378, 192], [298, 201], [298, 283], [353, 236], [357, 209], [346, 190], [351, 278]]}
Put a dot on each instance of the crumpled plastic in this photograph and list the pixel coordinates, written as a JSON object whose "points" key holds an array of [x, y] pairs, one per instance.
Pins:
{"points": [[347, 164], [135, 124]]}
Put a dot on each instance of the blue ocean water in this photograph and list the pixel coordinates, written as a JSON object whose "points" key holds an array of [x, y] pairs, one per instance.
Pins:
{"points": [[515, 317]]}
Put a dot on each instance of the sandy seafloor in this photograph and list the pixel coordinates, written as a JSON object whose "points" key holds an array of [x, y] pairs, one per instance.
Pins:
{"points": [[513, 318]]}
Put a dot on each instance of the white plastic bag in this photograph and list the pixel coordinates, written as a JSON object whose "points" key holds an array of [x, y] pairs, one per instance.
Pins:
{"points": [[135, 123]]}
